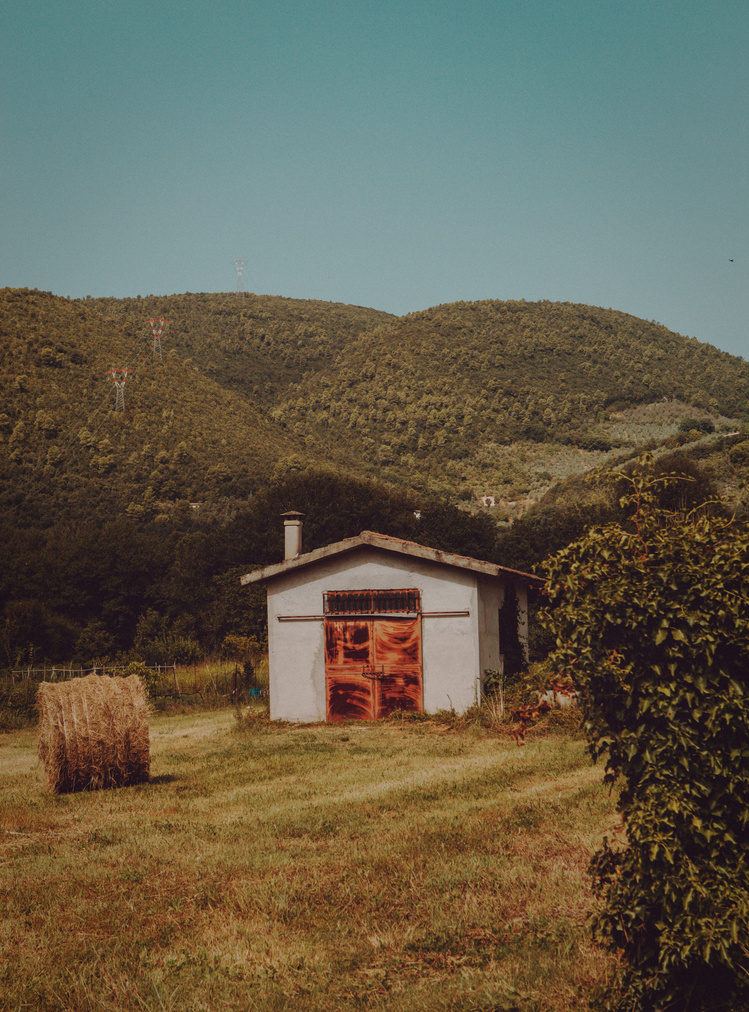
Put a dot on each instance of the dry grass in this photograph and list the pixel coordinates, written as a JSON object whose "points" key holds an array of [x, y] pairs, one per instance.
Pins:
{"points": [[401, 866]]}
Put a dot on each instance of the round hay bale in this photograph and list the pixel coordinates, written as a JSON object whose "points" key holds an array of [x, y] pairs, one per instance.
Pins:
{"points": [[93, 733]]}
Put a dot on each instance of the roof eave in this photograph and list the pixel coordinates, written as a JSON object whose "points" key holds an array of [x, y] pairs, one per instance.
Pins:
{"points": [[401, 547]]}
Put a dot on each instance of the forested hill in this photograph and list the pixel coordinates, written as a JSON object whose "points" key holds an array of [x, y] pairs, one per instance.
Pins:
{"points": [[514, 370], [253, 344], [444, 392], [64, 450], [462, 399]]}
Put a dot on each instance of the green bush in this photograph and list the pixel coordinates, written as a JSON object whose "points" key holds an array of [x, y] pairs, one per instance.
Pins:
{"points": [[652, 623], [149, 676], [702, 426], [739, 454]]}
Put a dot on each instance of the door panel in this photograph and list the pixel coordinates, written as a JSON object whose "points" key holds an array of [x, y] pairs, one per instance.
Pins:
{"points": [[349, 695], [347, 642], [372, 667], [397, 652], [349, 698], [400, 690], [397, 641]]}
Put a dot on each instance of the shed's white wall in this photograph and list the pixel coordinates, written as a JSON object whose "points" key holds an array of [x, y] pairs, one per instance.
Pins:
{"points": [[452, 662]]}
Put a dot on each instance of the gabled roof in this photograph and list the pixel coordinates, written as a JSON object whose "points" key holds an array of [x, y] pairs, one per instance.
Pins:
{"points": [[388, 544]]}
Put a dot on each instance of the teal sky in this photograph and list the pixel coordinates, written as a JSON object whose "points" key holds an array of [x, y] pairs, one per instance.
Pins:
{"points": [[393, 154]]}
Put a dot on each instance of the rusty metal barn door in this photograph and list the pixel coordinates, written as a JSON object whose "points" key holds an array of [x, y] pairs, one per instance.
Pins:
{"points": [[373, 658]]}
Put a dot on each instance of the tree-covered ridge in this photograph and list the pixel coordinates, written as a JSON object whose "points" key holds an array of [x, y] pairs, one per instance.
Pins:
{"points": [[254, 344], [406, 395], [503, 371], [63, 447], [442, 392], [462, 399]]}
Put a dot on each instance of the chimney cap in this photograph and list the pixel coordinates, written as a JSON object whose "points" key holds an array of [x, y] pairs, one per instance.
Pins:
{"points": [[293, 514]]}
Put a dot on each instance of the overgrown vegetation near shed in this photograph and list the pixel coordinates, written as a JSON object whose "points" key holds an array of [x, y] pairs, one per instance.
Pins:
{"points": [[651, 621]]}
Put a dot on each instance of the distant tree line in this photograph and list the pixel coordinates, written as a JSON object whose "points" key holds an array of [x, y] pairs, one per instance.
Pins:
{"points": [[167, 589]]}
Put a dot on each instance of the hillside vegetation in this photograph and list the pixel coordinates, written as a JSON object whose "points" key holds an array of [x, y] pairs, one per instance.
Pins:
{"points": [[447, 391], [126, 530], [466, 399], [254, 344], [183, 434]]}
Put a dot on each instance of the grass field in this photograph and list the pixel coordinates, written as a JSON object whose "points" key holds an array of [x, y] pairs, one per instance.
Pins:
{"points": [[405, 866]]}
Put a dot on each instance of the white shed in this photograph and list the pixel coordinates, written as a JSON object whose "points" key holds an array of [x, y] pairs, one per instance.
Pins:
{"points": [[373, 624]]}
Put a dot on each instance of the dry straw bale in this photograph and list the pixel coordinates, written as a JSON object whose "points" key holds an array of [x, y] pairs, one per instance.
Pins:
{"points": [[93, 733]]}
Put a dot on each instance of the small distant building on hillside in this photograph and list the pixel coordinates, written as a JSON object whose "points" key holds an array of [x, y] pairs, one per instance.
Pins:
{"points": [[374, 624]]}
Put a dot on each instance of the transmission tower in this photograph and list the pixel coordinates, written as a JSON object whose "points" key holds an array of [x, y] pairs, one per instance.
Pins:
{"points": [[157, 327], [239, 264], [119, 386]]}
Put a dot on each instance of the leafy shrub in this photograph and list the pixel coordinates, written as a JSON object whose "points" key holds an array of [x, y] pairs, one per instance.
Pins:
{"points": [[591, 441], [651, 622], [149, 676], [739, 454], [702, 426], [241, 648]]}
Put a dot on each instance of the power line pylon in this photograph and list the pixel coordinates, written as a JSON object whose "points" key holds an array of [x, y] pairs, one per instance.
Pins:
{"points": [[119, 386], [239, 264], [157, 326]]}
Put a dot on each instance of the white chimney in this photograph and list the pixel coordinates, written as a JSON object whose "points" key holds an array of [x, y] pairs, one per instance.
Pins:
{"points": [[292, 523]]}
